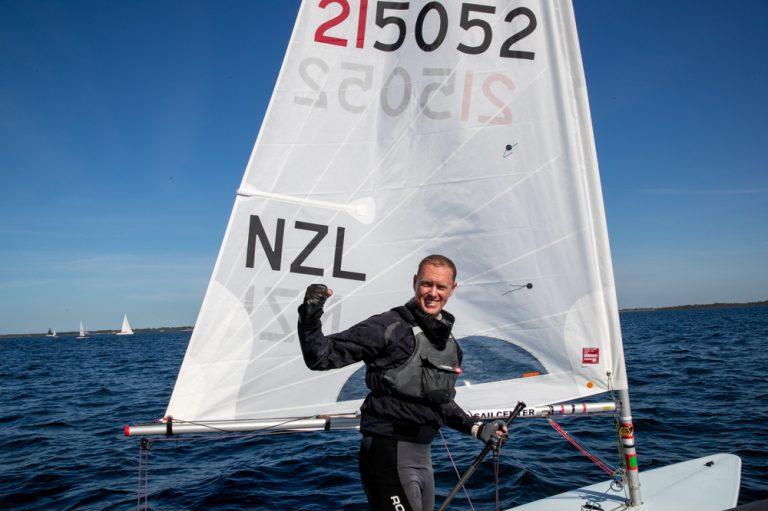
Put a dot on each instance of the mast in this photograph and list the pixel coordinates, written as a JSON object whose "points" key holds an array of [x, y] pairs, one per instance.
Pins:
{"points": [[572, 51], [627, 437]]}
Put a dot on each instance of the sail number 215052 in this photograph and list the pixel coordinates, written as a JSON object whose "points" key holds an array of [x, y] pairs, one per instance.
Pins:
{"points": [[442, 93], [339, 31]]}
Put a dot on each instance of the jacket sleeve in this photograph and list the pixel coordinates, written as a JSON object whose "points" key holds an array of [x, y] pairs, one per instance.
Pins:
{"points": [[364, 341], [456, 418]]}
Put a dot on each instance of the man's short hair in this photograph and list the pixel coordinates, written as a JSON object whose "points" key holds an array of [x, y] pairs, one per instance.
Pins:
{"points": [[438, 260]]}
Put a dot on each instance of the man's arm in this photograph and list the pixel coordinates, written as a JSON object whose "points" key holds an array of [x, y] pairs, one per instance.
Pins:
{"points": [[460, 420], [456, 418], [321, 352]]}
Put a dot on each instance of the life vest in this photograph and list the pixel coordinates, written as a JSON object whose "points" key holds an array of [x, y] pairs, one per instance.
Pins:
{"points": [[427, 374]]}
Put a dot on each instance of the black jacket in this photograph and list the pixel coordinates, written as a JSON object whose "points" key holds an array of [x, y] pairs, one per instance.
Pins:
{"points": [[383, 414]]}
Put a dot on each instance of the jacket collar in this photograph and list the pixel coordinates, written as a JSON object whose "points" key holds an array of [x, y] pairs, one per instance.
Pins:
{"points": [[437, 330]]}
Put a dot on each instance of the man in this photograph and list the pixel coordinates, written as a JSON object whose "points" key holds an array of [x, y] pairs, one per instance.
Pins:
{"points": [[412, 363]]}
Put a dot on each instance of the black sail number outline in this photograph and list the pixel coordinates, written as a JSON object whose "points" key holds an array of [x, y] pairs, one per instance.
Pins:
{"points": [[506, 50], [320, 231], [442, 30], [466, 23], [382, 21]]}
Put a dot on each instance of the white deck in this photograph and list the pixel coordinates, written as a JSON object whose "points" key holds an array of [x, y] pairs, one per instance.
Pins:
{"points": [[682, 486]]}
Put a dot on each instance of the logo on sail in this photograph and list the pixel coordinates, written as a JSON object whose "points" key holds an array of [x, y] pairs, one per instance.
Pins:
{"points": [[590, 356]]}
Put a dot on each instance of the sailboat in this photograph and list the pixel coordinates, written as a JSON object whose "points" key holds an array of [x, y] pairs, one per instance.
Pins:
{"points": [[126, 328], [82, 334], [396, 130], [51, 333]]}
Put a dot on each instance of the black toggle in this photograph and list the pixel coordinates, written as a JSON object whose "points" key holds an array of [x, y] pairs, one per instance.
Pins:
{"points": [[518, 287], [508, 149]]}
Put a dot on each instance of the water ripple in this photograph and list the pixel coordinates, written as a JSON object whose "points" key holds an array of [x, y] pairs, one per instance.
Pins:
{"points": [[696, 380]]}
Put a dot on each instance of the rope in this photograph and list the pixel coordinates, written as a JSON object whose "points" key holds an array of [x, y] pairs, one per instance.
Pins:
{"points": [[142, 490], [456, 469], [496, 474], [143, 484], [600, 463]]}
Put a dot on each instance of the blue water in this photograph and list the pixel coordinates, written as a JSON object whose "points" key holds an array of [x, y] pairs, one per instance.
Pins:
{"points": [[697, 382]]}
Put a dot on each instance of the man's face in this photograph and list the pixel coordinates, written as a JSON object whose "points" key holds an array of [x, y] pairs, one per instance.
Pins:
{"points": [[433, 286]]}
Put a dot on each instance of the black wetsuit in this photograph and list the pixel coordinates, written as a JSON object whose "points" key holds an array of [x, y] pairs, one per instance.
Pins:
{"points": [[397, 431]]}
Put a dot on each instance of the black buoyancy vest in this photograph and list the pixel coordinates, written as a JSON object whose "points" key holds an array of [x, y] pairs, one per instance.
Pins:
{"points": [[428, 374]]}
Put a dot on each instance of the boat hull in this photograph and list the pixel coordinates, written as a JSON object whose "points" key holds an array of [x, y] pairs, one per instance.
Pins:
{"points": [[710, 483]]}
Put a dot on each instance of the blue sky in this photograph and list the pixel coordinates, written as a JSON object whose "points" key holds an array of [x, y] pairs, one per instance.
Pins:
{"points": [[125, 129]]}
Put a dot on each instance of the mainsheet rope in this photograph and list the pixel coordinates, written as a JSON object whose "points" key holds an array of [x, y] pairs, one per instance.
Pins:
{"points": [[142, 490], [496, 463], [456, 469], [143, 486], [496, 474]]}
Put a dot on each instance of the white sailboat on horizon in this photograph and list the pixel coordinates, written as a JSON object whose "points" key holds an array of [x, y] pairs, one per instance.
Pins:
{"points": [[51, 333], [440, 127], [82, 334], [126, 327]]}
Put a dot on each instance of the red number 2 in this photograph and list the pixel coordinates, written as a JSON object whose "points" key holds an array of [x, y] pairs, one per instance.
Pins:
{"points": [[320, 36]]}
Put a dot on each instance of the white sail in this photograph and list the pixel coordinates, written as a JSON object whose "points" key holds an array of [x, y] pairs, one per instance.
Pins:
{"points": [[467, 138], [82, 333], [126, 328]]}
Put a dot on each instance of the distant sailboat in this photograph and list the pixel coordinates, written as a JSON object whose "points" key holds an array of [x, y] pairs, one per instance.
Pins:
{"points": [[126, 329], [82, 332], [51, 333]]}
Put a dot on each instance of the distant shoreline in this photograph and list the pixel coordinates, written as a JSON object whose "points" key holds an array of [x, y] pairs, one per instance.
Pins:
{"points": [[718, 305], [75, 333]]}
